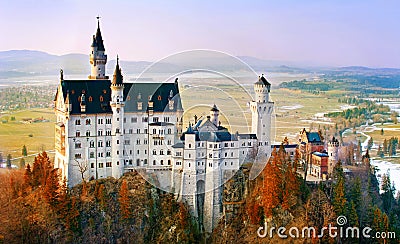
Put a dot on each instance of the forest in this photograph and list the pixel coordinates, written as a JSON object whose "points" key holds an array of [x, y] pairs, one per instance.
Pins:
{"points": [[36, 200]]}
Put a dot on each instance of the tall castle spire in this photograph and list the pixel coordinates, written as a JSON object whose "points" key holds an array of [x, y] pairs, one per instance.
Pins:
{"points": [[98, 58], [117, 78]]}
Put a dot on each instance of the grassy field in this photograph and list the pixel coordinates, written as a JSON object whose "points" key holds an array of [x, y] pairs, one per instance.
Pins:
{"points": [[35, 136], [294, 109]]}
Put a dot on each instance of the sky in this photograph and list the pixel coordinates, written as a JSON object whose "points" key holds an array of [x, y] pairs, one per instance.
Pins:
{"points": [[329, 32]]}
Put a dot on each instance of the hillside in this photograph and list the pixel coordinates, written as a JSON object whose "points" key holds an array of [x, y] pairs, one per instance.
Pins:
{"points": [[103, 211]]}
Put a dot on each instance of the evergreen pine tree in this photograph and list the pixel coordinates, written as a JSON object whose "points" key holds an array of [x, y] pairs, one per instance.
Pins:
{"points": [[24, 151], [352, 215], [9, 161]]}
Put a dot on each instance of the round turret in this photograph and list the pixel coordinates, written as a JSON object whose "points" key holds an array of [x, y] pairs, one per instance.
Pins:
{"points": [[262, 89], [214, 113]]}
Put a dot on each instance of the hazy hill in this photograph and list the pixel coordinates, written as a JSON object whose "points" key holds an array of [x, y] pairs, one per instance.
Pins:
{"points": [[19, 63]]}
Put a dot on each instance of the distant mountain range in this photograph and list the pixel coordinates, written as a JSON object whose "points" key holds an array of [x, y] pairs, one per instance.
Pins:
{"points": [[22, 63]]}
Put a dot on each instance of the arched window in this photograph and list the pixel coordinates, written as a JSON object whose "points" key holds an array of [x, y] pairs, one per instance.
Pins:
{"points": [[154, 162]]}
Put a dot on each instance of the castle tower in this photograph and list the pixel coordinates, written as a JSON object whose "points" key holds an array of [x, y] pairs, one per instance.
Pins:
{"points": [[333, 149], [214, 113], [98, 58], [117, 105], [261, 110], [188, 188]]}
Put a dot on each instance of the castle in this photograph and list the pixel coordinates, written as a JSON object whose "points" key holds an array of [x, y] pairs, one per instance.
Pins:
{"points": [[106, 127]]}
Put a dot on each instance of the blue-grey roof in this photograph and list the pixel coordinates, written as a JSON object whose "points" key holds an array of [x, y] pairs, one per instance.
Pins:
{"points": [[247, 136], [178, 145], [320, 154], [285, 146], [313, 137], [98, 96]]}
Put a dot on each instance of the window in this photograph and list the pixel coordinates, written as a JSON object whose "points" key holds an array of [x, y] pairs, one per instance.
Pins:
{"points": [[78, 122], [139, 105], [138, 152], [130, 131], [138, 131], [162, 162], [168, 152], [226, 144], [232, 144], [137, 162], [117, 154], [108, 154], [169, 161], [87, 121], [166, 119], [100, 165], [145, 141], [154, 162], [108, 164], [100, 121], [155, 119], [108, 143], [78, 156], [127, 142], [100, 155], [190, 145], [133, 120], [138, 141], [145, 151], [108, 121], [145, 161], [130, 152], [161, 152], [91, 155], [100, 132], [91, 144], [169, 142], [117, 141], [154, 152], [124, 120], [92, 165], [108, 132], [145, 131], [100, 144], [154, 131], [78, 145]]}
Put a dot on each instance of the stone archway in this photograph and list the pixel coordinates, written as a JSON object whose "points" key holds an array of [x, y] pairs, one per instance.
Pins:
{"points": [[200, 189]]}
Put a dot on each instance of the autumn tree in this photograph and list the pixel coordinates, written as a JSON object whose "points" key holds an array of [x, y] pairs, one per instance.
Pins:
{"points": [[370, 143], [124, 201], [51, 188], [22, 163]]}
